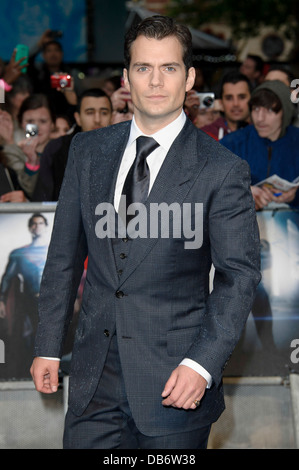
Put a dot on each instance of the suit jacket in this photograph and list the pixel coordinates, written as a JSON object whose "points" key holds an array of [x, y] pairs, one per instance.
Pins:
{"points": [[160, 307]]}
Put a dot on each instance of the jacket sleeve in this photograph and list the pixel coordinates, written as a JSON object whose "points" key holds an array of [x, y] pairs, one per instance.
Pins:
{"points": [[235, 251], [64, 266]]}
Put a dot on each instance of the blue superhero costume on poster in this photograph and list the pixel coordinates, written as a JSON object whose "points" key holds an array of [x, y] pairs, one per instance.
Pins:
{"points": [[24, 22]]}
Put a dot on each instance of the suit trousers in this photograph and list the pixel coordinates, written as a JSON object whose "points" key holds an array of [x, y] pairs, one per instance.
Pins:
{"points": [[107, 422]]}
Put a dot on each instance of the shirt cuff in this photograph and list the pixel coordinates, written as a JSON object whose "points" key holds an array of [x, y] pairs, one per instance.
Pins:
{"points": [[50, 358], [199, 369]]}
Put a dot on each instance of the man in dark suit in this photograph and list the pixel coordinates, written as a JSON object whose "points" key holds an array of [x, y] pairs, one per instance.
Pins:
{"points": [[152, 341]]}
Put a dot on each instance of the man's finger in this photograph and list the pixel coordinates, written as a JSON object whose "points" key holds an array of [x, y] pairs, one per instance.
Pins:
{"points": [[45, 375], [170, 384]]}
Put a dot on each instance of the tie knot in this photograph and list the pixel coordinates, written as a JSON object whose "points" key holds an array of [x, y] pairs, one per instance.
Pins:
{"points": [[145, 146]]}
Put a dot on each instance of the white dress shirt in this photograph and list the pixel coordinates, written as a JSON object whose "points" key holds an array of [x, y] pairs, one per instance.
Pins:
{"points": [[165, 138]]}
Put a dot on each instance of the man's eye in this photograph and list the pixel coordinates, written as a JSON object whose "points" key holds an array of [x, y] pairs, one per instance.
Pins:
{"points": [[170, 69], [142, 69]]}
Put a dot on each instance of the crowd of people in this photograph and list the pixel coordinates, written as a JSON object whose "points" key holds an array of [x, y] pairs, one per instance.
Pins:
{"points": [[35, 162], [233, 114], [253, 116], [256, 117]]}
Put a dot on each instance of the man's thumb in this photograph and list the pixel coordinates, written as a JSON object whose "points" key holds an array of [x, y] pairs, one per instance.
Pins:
{"points": [[169, 385]]}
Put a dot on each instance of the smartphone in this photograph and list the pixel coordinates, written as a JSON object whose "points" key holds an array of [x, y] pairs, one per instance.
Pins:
{"points": [[31, 130], [22, 52]]}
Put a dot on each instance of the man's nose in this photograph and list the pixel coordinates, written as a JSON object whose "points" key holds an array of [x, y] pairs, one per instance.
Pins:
{"points": [[236, 101], [156, 78], [97, 118]]}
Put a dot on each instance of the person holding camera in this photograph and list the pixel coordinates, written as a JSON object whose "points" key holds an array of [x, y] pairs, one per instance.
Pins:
{"points": [[235, 94], [62, 98], [94, 110], [24, 158]]}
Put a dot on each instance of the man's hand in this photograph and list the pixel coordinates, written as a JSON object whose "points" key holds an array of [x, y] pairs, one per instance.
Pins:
{"points": [[13, 69], [120, 98], [29, 147], [6, 127], [183, 388], [13, 196], [287, 196], [192, 103], [263, 196], [44, 373]]}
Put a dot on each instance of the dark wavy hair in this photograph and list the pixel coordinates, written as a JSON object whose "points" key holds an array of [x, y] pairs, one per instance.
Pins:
{"points": [[159, 27], [266, 99], [34, 216], [94, 93], [36, 101]]}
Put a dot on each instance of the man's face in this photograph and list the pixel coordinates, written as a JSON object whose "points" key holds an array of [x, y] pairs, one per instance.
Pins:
{"points": [[37, 227], [267, 122], [278, 75], [94, 113], [235, 97], [157, 81], [248, 68], [205, 117], [53, 56]]}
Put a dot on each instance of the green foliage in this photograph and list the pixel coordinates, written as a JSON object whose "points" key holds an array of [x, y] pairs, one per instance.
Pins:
{"points": [[245, 17]]}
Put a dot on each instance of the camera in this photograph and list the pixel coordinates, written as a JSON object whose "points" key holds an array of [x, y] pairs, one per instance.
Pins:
{"points": [[206, 100], [61, 80], [31, 130]]}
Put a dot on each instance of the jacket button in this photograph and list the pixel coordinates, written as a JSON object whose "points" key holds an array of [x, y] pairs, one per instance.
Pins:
{"points": [[107, 333], [122, 255], [119, 294]]}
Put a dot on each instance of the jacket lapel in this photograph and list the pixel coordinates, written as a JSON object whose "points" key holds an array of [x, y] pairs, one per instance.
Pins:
{"points": [[104, 168]]}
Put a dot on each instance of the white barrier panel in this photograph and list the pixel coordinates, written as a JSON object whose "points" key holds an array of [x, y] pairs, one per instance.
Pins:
{"points": [[269, 345]]}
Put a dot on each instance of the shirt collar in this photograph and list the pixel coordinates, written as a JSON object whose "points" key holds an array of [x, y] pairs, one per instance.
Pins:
{"points": [[165, 136]]}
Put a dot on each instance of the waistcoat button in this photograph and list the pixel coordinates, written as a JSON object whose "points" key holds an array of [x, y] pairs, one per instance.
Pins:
{"points": [[119, 294]]}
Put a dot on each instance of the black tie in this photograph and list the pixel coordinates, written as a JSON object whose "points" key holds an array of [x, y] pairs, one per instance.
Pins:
{"points": [[136, 185]]}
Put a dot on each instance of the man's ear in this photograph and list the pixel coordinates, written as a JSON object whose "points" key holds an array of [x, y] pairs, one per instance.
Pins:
{"points": [[78, 119], [190, 79], [126, 79]]}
